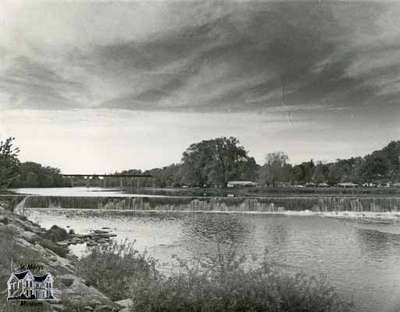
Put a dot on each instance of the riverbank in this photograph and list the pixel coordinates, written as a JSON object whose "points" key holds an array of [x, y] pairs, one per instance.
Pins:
{"points": [[25, 242]]}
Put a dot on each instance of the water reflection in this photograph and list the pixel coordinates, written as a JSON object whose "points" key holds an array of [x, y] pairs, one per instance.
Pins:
{"points": [[377, 245], [216, 228], [206, 236], [277, 233]]}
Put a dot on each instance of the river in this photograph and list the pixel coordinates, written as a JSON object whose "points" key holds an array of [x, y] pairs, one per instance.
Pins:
{"points": [[361, 260]]}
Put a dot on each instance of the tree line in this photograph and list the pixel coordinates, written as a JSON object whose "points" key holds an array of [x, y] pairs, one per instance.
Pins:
{"points": [[214, 162], [14, 173]]}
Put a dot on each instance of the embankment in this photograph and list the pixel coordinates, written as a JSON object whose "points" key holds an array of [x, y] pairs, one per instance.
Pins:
{"points": [[23, 242]]}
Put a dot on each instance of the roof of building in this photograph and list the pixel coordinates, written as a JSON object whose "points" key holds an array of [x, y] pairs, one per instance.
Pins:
{"points": [[21, 275], [40, 278], [347, 184]]}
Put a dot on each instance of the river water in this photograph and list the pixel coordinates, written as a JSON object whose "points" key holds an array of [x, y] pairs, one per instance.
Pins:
{"points": [[361, 260]]}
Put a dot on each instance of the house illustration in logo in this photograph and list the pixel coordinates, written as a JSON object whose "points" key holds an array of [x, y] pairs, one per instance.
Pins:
{"points": [[23, 285]]}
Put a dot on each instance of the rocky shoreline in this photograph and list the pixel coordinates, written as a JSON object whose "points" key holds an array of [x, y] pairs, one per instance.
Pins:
{"points": [[25, 241], [95, 238]]}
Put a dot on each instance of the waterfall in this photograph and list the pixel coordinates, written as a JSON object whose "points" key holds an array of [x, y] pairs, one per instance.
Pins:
{"points": [[261, 204], [20, 207]]}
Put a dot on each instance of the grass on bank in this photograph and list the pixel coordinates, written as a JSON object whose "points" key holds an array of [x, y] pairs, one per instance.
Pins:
{"points": [[220, 284]]}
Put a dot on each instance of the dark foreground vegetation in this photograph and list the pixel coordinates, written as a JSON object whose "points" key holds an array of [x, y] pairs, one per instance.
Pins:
{"points": [[220, 283]]}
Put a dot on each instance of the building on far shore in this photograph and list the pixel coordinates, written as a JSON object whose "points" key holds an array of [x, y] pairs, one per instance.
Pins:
{"points": [[24, 285], [232, 184], [347, 184]]}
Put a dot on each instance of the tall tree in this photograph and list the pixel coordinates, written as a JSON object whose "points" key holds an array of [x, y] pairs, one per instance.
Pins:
{"points": [[275, 169], [303, 173], [320, 173], [9, 163], [215, 162]]}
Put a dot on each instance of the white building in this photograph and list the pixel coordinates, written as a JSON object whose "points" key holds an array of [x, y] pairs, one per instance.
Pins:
{"points": [[25, 285], [241, 183], [347, 184]]}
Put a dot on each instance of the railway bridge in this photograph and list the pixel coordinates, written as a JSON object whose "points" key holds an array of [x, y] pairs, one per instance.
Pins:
{"points": [[107, 180]]}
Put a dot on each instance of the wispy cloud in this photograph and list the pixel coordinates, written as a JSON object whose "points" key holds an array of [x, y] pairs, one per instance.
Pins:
{"points": [[204, 57], [33, 85]]}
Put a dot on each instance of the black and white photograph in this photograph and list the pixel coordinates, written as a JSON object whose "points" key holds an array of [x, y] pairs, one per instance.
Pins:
{"points": [[199, 156]]}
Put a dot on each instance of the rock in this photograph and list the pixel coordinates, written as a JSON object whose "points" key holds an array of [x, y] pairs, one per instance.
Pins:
{"points": [[67, 281], [29, 236], [103, 241], [58, 308], [100, 232], [94, 302], [104, 235], [52, 258], [104, 308], [56, 234], [88, 308], [76, 240], [125, 303], [3, 220], [80, 291]]}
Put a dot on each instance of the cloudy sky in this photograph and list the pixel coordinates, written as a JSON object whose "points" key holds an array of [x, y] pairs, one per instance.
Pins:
{"points": [[92, 86]]}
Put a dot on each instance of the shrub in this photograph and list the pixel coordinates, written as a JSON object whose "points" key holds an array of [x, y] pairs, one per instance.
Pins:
{"points": [[110, 268], [56, 234], [219, 283], [236, 289], [62, 251]]}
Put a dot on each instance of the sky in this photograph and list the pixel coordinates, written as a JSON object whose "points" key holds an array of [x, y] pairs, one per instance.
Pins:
{"points": [[99, 86]]}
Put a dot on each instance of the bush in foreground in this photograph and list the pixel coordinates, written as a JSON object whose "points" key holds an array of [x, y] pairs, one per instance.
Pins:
{"points": [[259, 289], [220, 284], [110, 268]]}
